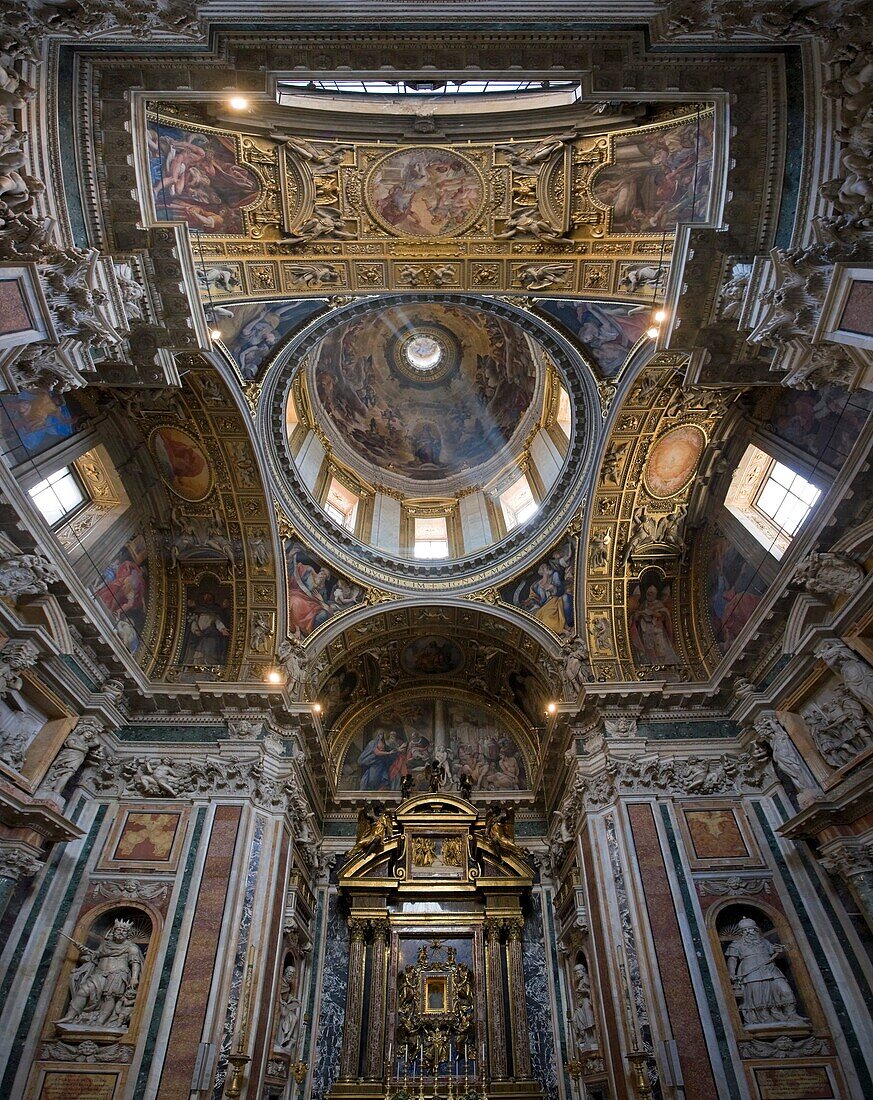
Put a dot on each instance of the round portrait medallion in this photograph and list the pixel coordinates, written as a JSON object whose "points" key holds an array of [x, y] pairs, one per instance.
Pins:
{"points": [[182, 463], [673, 460], [425, 192]]}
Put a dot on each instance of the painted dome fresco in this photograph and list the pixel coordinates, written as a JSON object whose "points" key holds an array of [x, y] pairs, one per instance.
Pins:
{"points": [[424, 391]]}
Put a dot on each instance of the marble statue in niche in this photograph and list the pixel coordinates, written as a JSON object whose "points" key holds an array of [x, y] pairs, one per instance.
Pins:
{"points": [[582, 1020], [762, 989], [105, 982], [288, 1023]]}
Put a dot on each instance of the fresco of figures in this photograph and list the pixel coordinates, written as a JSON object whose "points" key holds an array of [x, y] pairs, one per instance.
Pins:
{"points": [[182, 463], [31, 421], [546, 591], [252, 331], [404, 738], [123, 591], [656, 177], [650, 620], [208, 623], [196, 179], [607, 331], [315, 592], [415, 426], [425, 192], [824, 423], [735, 588], [432, 655]]}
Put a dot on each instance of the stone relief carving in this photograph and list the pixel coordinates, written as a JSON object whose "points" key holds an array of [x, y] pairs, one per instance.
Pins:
{"points": [[829, 574], [190, 536], [784, 1047], [132, 889], [528, 221], [104, 984], [82, 745], [87, 1051], [764, 994], [17, 861], [543, 276], [245, 729], [675, 776], [26, 575], [840, 728], [787, 756], [173, 778], [261, 631], [855, 673], [15, 657], [294, 660], [655, 533], [731, 887], [577, 668]]}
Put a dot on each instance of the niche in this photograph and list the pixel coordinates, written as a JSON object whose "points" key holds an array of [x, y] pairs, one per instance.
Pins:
{"points": [[105, 979], [289, 1008], [761, 969], [583, 1030]]}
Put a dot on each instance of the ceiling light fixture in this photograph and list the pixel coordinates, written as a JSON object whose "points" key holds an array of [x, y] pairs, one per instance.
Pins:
{"points": [[660, 315], [238, 103], [215, 333], [552, 707], [317, 708], [652, 332], [274, 676]]}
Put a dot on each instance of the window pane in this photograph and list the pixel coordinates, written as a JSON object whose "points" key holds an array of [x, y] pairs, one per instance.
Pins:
{"points": [[58, 495], [771, 498]]}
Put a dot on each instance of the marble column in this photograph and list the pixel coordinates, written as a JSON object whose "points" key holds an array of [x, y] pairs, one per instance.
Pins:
{"points": [[517, 1002], [354, 1000], [494, 998], [16, 861], [378, 982], [852, 859]]}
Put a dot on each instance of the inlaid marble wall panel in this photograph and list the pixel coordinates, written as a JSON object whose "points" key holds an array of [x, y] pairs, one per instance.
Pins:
{"points": [[332, 1008]]}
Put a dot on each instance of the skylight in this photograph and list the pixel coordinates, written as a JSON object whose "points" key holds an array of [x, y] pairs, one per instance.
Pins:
{"points": [[422, 86]]}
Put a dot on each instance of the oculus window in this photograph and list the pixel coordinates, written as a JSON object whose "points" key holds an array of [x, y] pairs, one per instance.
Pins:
{"points": [[59, 495]]}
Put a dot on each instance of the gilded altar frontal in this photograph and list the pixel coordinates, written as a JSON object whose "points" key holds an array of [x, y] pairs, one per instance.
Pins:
{"points": [[436, 616]]}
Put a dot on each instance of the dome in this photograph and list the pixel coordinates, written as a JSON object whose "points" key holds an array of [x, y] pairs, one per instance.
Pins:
{"points": [[426, 396], [429, 429]]}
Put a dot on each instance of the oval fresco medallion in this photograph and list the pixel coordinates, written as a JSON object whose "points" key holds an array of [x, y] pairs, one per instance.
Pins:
{"points": [[673, 460], [183, 465], [433, 655], [425, 192]]}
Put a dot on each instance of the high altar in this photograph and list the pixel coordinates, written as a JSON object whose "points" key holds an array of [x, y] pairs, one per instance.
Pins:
{"points": [[435, 1002]]}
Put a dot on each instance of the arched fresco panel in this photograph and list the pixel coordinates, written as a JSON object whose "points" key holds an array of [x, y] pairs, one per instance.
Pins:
{"points": [[401, 737]]}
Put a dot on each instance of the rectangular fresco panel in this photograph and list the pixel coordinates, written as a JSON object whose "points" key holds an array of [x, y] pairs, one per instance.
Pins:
{"points": [[403, 738], [123, 591], [660, 178], [32, 421], [208, 609], [824, 423], [734, 590], [715, 834], [147, 837], [546, 591], [196, 178], [315, 591]]}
